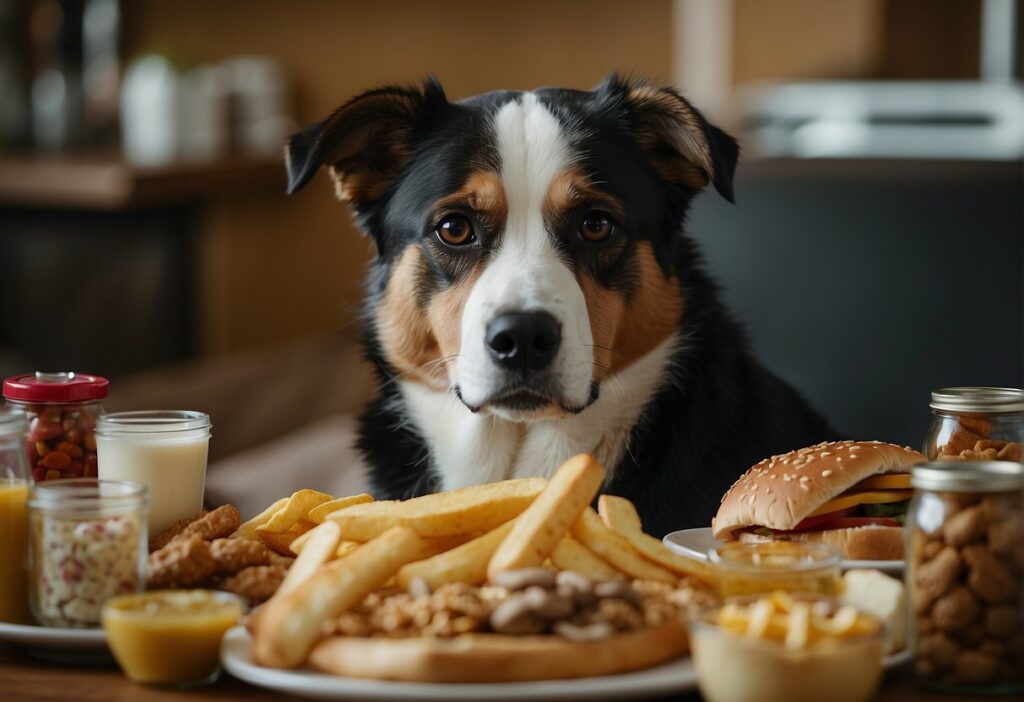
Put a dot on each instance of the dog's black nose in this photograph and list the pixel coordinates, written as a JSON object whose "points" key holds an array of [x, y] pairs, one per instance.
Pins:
{"points": [[523, 340]]}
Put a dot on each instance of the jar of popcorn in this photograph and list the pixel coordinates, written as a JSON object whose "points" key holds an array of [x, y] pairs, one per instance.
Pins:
{"points": [[976, 424], [87, 543], [965, 569], [61, 408]]}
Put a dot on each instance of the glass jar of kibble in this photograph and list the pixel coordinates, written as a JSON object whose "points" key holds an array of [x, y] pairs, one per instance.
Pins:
{"points": [[965, 546], [87, 543], [61, 409], [976, 424]]}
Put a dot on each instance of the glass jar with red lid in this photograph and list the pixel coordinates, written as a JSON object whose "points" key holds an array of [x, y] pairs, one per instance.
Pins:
{"points": [[61, 409]]}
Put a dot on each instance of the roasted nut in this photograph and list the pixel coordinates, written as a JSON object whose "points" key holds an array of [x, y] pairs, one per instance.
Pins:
{"points": [[974, 667], [618, 590], [961, 440], [1006, 536], [1001, 622], [548, 605], [989, 579], [938, 648], [973, 635], [1010, 452], [516, 616], [925, 625], [996, 649], [977, 425], [956, 610], [966, 526], [935, 577], [931, 549], [525, 577], [589, 632]]}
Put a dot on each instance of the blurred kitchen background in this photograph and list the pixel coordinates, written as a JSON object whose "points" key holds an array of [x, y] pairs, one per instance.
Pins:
{"points": [[874, 253]]}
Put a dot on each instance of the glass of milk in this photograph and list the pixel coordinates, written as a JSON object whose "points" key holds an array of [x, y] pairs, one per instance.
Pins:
{"points": [[165, 450]]}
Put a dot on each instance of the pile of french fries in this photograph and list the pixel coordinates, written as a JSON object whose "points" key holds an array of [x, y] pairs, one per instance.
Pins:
{"points": [[352, 546]]}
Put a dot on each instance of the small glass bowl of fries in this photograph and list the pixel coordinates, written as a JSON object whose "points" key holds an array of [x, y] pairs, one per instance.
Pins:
{"points": [[751, 568], [787, 647]]}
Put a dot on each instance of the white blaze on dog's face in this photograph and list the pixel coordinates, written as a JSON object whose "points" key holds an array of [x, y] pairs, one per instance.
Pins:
{"points": [[528, 243], [527, 282]]}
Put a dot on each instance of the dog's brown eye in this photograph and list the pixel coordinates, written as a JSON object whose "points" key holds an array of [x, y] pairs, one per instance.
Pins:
{"points": [[455, 230], [596, 227]]}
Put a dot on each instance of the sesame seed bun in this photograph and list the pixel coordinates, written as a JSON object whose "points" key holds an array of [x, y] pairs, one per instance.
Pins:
{"points": [[781, 491]]}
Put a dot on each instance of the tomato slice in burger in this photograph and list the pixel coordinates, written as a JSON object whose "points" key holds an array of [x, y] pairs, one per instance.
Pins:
{"points": [[816, 522]]}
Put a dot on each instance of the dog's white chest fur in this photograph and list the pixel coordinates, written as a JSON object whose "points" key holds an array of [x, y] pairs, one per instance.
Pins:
{"points": [[470, 449]]}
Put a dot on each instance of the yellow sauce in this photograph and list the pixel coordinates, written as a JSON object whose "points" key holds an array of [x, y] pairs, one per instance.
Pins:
{"points": [[170, 636], [792, 566], [13, 552]]}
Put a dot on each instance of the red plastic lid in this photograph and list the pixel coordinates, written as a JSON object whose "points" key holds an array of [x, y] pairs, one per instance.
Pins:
{"points": [[55, 387]]}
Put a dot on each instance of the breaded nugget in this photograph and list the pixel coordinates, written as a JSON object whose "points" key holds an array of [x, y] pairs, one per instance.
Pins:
{"points": [[167, 535], [184, 562], [216, 524], [256, 583], [232, 555]]}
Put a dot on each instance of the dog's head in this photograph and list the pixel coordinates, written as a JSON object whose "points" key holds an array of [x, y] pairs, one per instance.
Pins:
{"points": [[524, 239]]}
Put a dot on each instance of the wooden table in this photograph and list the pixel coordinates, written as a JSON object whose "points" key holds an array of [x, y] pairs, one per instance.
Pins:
{"points": [[25, 678]]}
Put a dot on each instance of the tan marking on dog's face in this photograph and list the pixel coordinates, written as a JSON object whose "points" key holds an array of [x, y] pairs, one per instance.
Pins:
{"points": [[403, 327], [625, 332], [484, 194], [445, 314], [571, 187]]}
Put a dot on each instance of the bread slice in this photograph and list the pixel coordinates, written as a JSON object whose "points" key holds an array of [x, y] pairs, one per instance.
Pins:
{"points": [[866, 543], [497, 657]]}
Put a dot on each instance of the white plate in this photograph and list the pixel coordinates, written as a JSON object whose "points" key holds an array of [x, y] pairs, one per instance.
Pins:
{"points": [[49, 637], [696, 543], [676, 676]]}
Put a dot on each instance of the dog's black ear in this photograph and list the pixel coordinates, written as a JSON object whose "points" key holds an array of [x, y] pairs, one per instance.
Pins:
{"points": [[365, 142], [681, 144]]}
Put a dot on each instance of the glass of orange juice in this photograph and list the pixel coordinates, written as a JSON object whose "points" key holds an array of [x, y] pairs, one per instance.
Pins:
{"points": [[14, 483]]}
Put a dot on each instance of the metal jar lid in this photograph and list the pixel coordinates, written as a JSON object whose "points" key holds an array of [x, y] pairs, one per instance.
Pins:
{"points": [[969, 476], [978, 400]]}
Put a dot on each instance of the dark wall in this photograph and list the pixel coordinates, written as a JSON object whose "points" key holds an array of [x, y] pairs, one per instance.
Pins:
{"points": [[868, 284]]}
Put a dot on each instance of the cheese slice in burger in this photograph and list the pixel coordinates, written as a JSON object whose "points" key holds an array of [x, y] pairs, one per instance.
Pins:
{"points": [[851, 495]]}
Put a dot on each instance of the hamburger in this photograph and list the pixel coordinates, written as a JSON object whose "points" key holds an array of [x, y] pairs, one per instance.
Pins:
{"points": [[850, 495]]}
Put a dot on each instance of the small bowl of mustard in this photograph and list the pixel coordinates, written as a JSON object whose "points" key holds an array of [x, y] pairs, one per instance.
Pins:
{"points": [[749, 568], [170, 637]]}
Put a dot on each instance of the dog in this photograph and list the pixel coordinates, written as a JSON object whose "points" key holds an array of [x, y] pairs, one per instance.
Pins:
{"points": [[534, 295]]}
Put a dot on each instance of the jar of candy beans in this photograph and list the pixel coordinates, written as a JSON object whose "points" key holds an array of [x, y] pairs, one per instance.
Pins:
{"points": [[61, 409]]}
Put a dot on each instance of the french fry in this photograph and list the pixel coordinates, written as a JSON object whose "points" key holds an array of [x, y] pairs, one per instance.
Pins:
{"points": [[619, 515], [345, 548], [281, 543], [570, 554], [248, 530], [297, 507], [550, 516], [291, 624], [471, 510], [320, 512], [616, 549], [463, 564], [321, 544]]}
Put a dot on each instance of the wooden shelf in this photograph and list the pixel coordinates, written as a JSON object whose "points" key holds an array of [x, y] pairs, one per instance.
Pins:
{"points": [[108, 182]]}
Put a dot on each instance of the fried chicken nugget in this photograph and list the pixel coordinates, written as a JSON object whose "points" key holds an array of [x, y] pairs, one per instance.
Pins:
{"points": [[216, 524], [184, 562], [167, 535], [233, 555], [256, 583]]}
